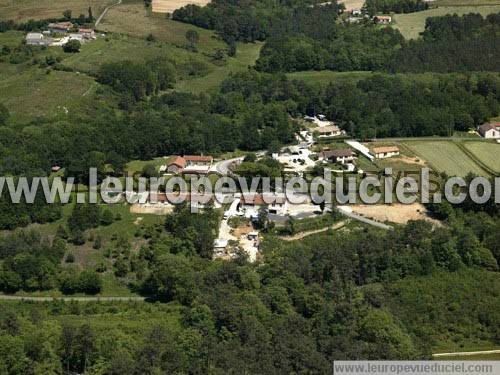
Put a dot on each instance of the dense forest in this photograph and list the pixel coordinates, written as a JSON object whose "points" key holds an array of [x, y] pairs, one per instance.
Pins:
{"points": [[257, 20], [374, 7], [449, 44]]}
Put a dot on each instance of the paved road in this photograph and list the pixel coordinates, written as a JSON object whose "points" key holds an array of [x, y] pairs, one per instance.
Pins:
{"points": [[98, 21], [352, 215], [466, 353], [223, 166], [66, 298]]}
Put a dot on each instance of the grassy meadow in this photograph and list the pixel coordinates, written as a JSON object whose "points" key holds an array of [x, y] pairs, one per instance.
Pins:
{"points": [[412, 24], [246, 56], [33, 93], [132, 18], [24, 10]]}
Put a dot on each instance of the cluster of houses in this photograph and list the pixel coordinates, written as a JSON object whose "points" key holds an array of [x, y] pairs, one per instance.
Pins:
{"points": [[60, 33], [357, 15], [346, 155]]}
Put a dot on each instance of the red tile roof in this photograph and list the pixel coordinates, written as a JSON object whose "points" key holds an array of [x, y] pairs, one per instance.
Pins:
{"points": [[179, 161], [201, 158]]}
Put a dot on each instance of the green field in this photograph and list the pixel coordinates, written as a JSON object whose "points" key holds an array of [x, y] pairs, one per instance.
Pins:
{"points": [[246, 56], [487, 153], [34, 93], [131, 18], [445, 156], [412, 24], [116, 47], [24, 10]]}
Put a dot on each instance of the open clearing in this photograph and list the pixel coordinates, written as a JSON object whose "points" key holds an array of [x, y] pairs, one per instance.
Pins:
{"points": [[117, 47], [246, 56], [132, 19], [34, 93], [487, 153], [24, 10], [395, 213], [168, 6], [352, 4], [445, 156], [412, 24]]}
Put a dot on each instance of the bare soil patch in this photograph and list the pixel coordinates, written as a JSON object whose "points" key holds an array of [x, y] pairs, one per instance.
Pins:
{"points": [[168, 6], [395, 213]]}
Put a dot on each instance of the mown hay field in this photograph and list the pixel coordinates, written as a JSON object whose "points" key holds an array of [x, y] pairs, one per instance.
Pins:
{"points": [[445, 156]]}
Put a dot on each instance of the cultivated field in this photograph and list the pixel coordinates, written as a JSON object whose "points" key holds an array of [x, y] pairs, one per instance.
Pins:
{"points": [[445, 156], [168, 6], [352, 4], [412, 24], [24, 10], [487, 153]]}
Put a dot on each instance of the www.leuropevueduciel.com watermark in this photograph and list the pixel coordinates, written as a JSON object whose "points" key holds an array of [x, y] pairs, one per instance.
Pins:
{"points": [[326, 189]]}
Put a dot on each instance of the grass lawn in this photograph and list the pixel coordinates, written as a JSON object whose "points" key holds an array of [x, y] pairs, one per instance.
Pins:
{"points": [[486, 152], [24, 10], [246, 55], [412, 24], [137, 165], [445, 156], [33, 92]]}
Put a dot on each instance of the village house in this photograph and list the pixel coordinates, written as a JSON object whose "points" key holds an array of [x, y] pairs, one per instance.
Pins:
{"points": [[87, 33], [276, 204], [356, 12], [176, 165], [328, 131], [35, 39], [78, 37], [190, 164], [489, 130], [385, 152], [343, 156], [60, 27], [383, 20]]}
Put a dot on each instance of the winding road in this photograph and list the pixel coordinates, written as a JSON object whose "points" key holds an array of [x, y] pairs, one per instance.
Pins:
{"points": [[99, 19]]}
